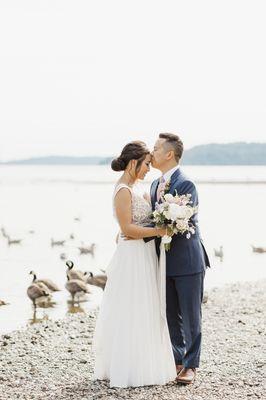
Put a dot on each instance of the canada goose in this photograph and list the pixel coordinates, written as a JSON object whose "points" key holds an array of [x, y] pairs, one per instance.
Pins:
{"points": [[13, 241], [71, 236], [219, 253], [258, 249], [57, 242], [74, 273], [96, 280], [87, 249], [36, 291], [4, 233], [2, 303], [75, 286], [63, 256], [47, 282]]}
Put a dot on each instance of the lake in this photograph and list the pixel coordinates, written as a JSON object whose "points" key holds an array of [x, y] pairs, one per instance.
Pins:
{"points": [[56, 201]]}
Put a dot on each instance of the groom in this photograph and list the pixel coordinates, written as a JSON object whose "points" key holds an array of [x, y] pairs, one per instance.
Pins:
{"points": [[185, 262]]}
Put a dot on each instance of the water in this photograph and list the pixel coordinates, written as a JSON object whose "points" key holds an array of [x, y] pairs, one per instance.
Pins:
{"points": [[47, 199]]}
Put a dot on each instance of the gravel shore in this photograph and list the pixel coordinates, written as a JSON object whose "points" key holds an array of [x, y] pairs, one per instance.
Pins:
{"points": [[53, 359]]}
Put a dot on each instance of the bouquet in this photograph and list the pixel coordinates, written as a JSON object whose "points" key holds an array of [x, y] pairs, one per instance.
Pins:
{"points": [[174, 213]]}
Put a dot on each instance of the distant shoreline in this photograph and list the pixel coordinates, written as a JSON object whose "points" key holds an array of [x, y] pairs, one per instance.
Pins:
{"points": [[218, 154]]}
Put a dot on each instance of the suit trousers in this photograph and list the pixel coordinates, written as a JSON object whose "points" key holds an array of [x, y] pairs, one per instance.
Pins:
{"points": [[183, 307]]}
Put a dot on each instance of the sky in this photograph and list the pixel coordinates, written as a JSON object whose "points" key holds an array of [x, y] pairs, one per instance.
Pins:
{"points": [[85, 77]]}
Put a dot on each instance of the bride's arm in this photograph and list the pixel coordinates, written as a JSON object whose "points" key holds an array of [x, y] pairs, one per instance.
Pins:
{"points": [[122, 203]]}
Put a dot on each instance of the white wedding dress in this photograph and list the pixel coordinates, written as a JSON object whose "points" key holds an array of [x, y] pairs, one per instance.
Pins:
{"points": [[131, 340]]}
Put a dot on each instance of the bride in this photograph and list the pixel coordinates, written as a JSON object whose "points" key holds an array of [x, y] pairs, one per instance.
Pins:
{"points": [[131, 340]]}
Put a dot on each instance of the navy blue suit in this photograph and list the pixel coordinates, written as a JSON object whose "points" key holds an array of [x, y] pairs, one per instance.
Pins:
{"points": [[186, 262]]}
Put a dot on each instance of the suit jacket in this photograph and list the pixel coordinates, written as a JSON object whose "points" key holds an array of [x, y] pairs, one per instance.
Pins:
{"points": [[186, 256]]}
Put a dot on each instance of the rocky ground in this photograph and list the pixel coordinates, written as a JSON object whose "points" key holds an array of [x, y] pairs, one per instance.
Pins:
{"points": [[54, 360]]}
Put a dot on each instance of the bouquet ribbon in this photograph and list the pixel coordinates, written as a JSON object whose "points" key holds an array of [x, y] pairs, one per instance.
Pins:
{"points": [[162, 288]]}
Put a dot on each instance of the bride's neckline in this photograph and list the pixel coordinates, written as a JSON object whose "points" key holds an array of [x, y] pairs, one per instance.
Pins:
{"points": [[123, 183]]}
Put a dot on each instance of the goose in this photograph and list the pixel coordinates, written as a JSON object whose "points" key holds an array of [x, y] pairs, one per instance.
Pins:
{"points": [[35, 291], [63, 256], [75, 286], [57, 242], [51, 286], [96, 280], [13, 241], [4, 232], [219, 253], [2, 303], [87, 249], [258, 249], [71, 236], [74, 273]]}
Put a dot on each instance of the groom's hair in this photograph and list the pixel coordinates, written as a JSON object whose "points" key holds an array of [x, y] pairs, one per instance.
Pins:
{"points": [[174, 142]]}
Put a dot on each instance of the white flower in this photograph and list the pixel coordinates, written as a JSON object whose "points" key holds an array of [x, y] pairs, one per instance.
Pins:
{"points": [[186, 212], [166, 239], [161, 207], [189, 212], [181, 224], [169, 198], [172, 212], [188, 235]]}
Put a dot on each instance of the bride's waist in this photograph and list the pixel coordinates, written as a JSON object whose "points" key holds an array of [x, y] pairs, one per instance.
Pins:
{"points": [[124, 239]]}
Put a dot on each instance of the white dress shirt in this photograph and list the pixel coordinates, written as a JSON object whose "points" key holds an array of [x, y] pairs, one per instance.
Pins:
{"points": [[167, 175]]}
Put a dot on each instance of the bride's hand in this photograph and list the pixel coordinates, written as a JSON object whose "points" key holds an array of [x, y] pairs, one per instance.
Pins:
{"points": [[161, 231]]}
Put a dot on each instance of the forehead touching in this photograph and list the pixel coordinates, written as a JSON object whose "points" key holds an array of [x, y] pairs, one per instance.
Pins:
{"points": [[148, 158]]}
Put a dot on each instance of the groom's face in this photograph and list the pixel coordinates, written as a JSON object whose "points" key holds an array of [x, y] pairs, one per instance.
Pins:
{"points": [[159, 154]]}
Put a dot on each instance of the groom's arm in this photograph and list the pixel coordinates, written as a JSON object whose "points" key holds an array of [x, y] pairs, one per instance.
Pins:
{"points": [[188, 187]]}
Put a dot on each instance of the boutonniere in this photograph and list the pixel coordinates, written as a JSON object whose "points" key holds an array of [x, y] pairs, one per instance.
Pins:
{"points": [[166, 187]]}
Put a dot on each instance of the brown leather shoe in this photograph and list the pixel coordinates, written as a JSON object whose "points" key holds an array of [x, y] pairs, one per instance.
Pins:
{"points": [[186, 376], [179, 368]]}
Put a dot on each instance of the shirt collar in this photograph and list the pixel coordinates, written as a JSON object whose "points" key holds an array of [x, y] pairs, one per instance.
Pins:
{"points": [[167, 175]]}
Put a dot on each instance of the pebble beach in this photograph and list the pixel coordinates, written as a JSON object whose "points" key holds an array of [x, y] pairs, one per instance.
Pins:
{"points": [[54, 359]]}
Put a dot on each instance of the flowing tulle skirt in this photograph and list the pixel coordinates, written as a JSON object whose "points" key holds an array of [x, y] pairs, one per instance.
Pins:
{"points": [[131, 341]]}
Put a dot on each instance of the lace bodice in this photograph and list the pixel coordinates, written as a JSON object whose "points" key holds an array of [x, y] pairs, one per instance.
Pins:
{"points": [[141, 208]]}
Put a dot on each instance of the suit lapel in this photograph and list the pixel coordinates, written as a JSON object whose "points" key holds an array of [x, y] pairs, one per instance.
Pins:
{"points": [[154, 192], [174, 179]]}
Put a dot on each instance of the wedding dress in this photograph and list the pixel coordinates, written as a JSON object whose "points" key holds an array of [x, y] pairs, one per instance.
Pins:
{"points": [[131, 340]]}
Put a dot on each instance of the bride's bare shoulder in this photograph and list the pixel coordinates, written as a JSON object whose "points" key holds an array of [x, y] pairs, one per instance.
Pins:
{"points": [[122, 190]]}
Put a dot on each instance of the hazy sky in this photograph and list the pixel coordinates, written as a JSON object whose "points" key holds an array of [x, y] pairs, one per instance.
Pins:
{"points": [[85, 77]]}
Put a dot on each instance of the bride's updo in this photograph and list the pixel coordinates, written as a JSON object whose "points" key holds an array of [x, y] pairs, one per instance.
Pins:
{"points": [[136, 150]]}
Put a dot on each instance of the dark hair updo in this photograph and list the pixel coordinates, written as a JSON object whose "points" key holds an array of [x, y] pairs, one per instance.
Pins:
{"points": [[136, 150]]}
